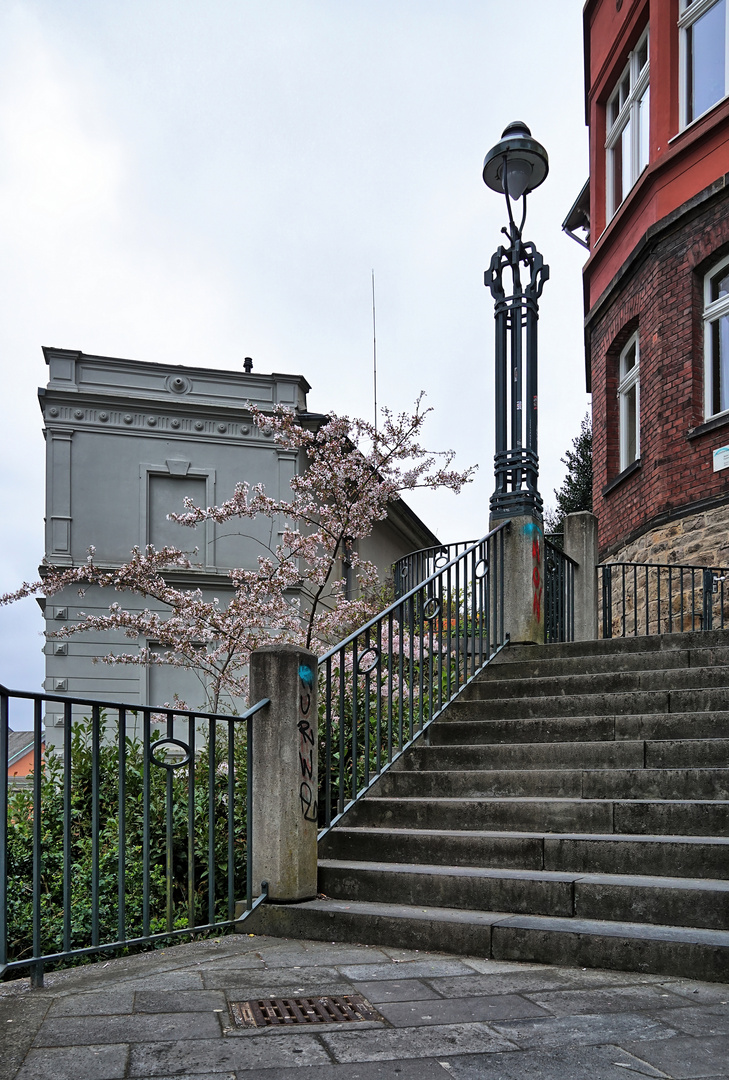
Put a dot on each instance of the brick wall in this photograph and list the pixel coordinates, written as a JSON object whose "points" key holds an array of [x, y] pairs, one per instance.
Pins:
{"points": [[662, 298]]}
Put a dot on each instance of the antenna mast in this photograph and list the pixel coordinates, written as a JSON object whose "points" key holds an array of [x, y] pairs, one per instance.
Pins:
{"points": [[374, 347]]}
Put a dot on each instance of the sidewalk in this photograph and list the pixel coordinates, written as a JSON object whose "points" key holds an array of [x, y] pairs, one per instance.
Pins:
{"points": [[166, 1014]]}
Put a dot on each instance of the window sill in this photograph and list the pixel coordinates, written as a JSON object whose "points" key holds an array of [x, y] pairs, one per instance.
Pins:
{"points": [[632, 468], [697, 119], [711, 425]]}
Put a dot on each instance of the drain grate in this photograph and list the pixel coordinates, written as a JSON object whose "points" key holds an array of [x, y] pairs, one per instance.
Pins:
{"points": [[270, 1012]]}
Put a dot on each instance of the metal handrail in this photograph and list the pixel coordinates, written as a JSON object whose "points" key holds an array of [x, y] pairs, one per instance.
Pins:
{"points": [[662, 598], [559, 594], [60, 785], [383, 685], [411, 569]]}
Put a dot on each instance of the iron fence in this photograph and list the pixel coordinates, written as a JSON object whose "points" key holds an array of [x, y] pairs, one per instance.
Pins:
{"points": [[140, 830], [559, 594], [419, 565], [381, 687], [660, 598]]}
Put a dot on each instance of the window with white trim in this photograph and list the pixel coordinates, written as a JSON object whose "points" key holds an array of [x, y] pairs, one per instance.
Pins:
{"points": [[704, 35], [716, 340], [628, 126], [629, 400]]}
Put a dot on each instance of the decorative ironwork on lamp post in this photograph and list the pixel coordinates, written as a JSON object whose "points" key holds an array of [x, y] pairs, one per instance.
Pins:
{"points": [[515, 166]]}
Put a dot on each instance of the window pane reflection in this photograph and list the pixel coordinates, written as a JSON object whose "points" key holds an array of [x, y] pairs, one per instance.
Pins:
{"points": [[705, 41], [720, 365]]}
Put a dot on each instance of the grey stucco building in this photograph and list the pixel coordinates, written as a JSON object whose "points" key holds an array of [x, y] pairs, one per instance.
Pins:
{"points": [[126, 442]]}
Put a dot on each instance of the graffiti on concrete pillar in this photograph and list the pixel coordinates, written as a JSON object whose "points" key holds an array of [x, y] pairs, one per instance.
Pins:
{"points": [[537, 583], [307, 745]]}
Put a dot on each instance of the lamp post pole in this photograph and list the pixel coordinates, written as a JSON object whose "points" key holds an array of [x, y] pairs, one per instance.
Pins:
{"points": [[515, 167]]}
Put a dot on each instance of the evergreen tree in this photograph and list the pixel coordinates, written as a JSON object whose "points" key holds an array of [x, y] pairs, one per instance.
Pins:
{"points": [[576, 491]]}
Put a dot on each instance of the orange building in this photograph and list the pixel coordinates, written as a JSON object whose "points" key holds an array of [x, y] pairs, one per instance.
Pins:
{"points": [[656, 283], [21, 756]]}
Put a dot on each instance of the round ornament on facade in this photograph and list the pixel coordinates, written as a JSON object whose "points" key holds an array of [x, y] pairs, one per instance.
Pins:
{"points": [[245, 429], [268, 432], [151, 420], [128, 418], [199, 425], [222, 428], [79, 414], [175, 423], [104, 416], [178, 384], [53, 411]]}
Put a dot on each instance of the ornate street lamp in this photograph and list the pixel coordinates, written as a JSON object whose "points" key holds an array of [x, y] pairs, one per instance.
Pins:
{"points": [[515, 166]]}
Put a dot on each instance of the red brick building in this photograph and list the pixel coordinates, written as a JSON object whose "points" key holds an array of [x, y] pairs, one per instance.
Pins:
{"points": [[656, 284]]}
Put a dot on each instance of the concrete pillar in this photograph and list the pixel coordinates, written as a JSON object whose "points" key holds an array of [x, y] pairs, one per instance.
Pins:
{"points": [[523, 579], [580, 543], [285, 772]]}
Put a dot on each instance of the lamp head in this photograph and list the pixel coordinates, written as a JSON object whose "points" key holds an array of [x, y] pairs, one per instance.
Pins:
{"points": [[517, 164]]}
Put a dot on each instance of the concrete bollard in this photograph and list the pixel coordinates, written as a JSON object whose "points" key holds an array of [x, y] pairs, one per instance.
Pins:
{"points": [[523, 579], [285, 772], [580, 543]]}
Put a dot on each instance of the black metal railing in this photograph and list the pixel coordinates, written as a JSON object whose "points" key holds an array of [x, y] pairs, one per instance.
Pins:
{"points": [[419, 565], [660, 598], [140, 830], [559, 594], [382, 687]]}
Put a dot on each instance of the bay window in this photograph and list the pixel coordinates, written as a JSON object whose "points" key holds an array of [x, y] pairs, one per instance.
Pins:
{"points": [[628, 126], [716, 340], [629, 399], [703, 32]]}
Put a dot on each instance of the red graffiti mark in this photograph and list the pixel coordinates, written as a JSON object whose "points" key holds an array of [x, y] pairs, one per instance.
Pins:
{"points": [[537, 585]]}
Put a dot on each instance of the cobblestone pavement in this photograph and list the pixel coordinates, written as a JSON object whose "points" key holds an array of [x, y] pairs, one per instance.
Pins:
{"points": [[167, 1014]]}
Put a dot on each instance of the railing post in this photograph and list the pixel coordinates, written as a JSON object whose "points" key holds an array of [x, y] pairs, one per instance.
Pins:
{"points": [[580, 544], [708, 605], [285, 780], [524, 596]]}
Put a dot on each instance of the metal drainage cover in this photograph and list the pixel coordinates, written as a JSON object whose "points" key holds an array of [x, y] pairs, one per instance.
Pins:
{"points": [[270, 1012]]}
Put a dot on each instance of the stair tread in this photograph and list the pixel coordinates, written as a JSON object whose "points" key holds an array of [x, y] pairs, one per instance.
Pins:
{"points": [[640, 838], [644, 881], [594, 927], [561, 799]]}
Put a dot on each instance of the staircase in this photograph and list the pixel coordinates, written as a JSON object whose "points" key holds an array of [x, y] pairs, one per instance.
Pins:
{"points": [[571, 807]]}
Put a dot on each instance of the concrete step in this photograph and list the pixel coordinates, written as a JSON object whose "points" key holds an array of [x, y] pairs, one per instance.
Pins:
{"points": [[624, 646], [626, 703], [609, 853], [540, 755], [515, 662], [555, 815], [657, 900], [456, 728], [602, 783], [665, 950], [612, 682]]}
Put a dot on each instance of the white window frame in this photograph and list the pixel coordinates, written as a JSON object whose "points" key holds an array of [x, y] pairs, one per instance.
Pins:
{"points": [[690, 12], [628, 380], [628, 113], [713, 311]]}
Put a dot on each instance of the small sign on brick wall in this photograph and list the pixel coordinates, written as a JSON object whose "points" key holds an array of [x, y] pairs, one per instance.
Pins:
{"points": [[721, 458]]}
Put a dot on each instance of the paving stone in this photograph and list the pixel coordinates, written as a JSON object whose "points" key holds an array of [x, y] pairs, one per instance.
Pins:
{"points": [[583, 1030], [277, 978], [20, 1018], [76, 1063], [193, 1056], [166, 980], [395, 990], [608, 1000], [99, 1003], [85, 1031], [441, 1041], [712, 1020], [158, 1001], [363, 1070], [512, 982], [595, 1062], [499, 967], [416, 969], [699, 993], [464, 1010], [685, 1058]]}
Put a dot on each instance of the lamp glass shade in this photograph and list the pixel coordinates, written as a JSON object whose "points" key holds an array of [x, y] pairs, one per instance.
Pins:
{"points": [[518, 175]]}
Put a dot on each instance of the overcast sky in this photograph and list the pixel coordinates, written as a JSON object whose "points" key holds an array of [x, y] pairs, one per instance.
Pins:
{"points": [[196, 181]]}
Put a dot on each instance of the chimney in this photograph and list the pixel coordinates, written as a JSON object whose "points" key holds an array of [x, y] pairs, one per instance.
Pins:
{"points": [[248, 365]]}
